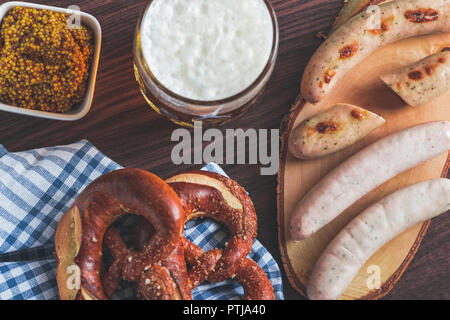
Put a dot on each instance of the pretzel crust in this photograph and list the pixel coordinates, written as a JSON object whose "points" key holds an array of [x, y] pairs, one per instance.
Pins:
{"points": [[79, 236], [251, 276], [207, 194]]}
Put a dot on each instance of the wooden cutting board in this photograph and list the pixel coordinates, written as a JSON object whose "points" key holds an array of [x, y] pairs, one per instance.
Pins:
{"points": [[361, 87]]}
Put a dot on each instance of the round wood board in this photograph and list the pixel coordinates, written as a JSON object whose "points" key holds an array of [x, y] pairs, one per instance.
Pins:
{"points": [[361, 87]]}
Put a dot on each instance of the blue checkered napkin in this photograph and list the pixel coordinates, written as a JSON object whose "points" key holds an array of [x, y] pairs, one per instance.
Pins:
{"points": [[38, 186]]}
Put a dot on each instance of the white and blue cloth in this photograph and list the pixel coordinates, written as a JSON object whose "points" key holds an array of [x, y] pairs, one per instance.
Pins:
{"points": [[38, 186]]}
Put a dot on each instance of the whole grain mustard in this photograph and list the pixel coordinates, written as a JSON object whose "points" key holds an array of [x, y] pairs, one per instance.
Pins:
{"points": [[44, 65]]}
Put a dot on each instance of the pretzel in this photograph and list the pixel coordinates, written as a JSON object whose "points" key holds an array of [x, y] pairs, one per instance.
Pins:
{"points": [[158, 267], [79, 236], [207, 194], [167, 280], [174, 266]]}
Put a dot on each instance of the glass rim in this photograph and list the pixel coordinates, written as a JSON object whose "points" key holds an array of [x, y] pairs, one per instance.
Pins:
{"points": [[210, 103]]}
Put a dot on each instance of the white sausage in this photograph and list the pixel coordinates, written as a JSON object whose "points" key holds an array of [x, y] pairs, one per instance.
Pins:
{"points": [[372, 229], [422, 81], [352, 8], [360, 36], [365, 171]]}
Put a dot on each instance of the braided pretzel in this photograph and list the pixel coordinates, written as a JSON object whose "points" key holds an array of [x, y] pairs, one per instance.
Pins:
{"points": [[167, 280], [159, 270], [251, 276], [79, 237], [207, 194]]}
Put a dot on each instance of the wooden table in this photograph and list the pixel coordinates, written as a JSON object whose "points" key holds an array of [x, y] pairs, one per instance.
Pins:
{"points": [[122, 125]]}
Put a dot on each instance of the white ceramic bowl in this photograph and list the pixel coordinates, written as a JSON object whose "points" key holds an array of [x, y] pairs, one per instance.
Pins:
{"points": [[81, 110]]}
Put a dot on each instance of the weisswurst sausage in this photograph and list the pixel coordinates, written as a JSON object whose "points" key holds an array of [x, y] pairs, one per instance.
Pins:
{"points": [[368, 232], [364, 172], [363, 34], [332, 130]]}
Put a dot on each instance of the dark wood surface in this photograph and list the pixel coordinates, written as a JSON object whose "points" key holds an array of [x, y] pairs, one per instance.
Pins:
{"points": [[122, 126]]}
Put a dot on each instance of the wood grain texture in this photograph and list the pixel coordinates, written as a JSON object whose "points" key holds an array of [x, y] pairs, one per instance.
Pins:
{"points": [[122, 125]]}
